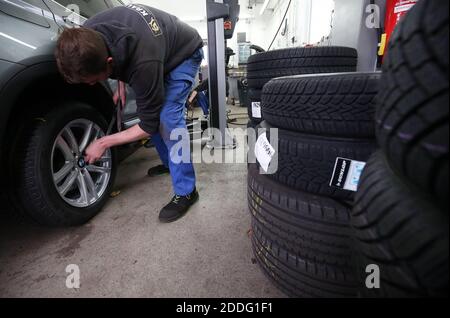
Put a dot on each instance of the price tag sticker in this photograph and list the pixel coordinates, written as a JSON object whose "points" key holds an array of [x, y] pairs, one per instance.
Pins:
{"points": [[256, 110], [264, 152], [347, 174]]}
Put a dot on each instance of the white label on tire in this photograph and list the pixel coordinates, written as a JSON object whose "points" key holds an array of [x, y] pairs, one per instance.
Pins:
{"points": [[264, 152], [256, 110], [347, 174]]}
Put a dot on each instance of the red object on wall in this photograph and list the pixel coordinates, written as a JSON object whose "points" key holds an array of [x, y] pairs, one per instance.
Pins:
{"points": [[395, 10]]}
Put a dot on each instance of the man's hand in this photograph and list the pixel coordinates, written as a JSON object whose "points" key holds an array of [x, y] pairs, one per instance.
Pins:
{"points": [[94, 152], [97, 149], [192, 97], [121, 92]]}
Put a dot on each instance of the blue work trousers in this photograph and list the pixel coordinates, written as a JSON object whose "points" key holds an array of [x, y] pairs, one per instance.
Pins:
{"points": [[178, 85]]}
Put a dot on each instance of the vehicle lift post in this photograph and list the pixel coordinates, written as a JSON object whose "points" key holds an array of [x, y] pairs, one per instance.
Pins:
{"points": [[217, 11]]}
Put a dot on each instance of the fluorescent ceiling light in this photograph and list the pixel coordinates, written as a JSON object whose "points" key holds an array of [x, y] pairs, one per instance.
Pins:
{"points": [[264, 7]]}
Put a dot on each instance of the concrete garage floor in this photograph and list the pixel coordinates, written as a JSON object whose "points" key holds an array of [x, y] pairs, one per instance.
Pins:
{"points": [[126, 252]]}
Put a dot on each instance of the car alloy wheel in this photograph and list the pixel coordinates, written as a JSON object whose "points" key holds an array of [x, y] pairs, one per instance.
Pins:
{"points": [[78, 183]]}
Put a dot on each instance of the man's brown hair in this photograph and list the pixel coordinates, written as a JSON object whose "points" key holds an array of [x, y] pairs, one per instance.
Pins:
{"points": [[81, 52]]}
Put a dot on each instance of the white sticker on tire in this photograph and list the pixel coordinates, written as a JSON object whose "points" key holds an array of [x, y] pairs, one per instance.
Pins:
{"points": [[264, 152], [256, 110], [347, 174]]}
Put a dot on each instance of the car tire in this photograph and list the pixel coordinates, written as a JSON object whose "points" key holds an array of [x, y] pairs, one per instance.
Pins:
{"points": [[263, 67], [307, 162], [316, 228], [251, 125], [412, 120], [50, 175], [341, 105], [298, 277], [398, 230]]}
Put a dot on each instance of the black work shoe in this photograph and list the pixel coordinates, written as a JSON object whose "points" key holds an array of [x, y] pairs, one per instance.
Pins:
{"points": [[178, 207], [158, 171]]}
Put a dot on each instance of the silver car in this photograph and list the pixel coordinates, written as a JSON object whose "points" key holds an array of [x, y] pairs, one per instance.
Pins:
{"points": [[45, 124]]}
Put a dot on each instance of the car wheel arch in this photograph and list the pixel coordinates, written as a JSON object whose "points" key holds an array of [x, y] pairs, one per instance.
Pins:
{"points": [[28, 88]]}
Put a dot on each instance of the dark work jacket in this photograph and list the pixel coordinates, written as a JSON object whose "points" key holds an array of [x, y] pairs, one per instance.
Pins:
{"points": [[146, 44]]}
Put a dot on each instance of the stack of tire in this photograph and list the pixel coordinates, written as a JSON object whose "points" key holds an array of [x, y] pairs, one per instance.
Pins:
{"points": [[401, 210], [302, 237], [263, 67]]}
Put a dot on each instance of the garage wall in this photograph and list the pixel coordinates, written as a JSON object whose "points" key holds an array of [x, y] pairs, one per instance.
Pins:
{"points": [[308, 21], [350, 29]]}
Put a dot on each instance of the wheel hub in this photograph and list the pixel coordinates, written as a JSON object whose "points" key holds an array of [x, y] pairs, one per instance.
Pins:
{"points": [[81, 163]]}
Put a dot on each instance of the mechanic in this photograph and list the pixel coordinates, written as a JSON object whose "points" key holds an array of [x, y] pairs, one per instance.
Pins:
{"points": [[159, 56]]}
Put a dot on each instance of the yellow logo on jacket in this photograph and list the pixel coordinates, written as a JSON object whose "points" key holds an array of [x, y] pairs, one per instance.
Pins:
{"points": [[154, 25]]}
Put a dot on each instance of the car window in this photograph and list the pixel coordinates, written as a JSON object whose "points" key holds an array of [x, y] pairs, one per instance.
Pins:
{"points": [[114, 3], [37, 3], [88, 8]]}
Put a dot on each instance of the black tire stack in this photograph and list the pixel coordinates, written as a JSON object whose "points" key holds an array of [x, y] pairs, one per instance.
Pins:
{"points": [[302, 236], [263, 67], [400, 216]]}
